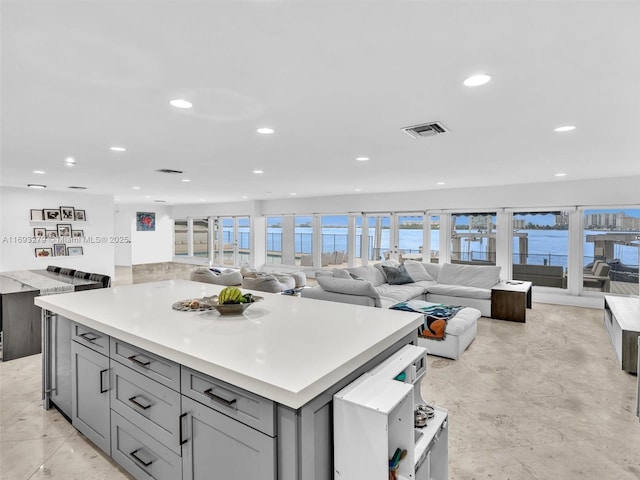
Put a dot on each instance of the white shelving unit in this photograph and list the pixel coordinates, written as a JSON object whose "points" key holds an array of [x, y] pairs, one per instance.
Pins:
{"points": [[374, 416]]}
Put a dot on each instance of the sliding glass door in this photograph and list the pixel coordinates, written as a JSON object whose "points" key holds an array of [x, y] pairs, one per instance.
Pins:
{"points": [[611, 245]]}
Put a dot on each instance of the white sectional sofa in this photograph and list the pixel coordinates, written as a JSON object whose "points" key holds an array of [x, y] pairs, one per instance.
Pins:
{"points": [[450, 284], [385, 284]]}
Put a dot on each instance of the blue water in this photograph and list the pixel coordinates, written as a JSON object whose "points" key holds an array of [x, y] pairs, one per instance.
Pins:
{"points": [[545, 246]]}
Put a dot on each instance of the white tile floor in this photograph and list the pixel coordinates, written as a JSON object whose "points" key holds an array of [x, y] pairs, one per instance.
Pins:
{"points": [[543, 400]]}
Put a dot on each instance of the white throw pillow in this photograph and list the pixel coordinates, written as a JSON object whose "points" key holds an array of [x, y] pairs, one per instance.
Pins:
{"points": [[469, 275], [341, 273], [416, 270], [369, 273], [348, 287]]}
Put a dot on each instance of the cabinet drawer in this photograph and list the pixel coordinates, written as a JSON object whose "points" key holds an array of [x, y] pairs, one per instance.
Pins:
{"points": [[246, 407], [147, 404], [153, 366], [141, 455], [91, 338]]}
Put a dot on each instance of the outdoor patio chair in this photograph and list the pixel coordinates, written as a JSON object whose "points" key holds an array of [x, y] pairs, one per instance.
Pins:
{"points": [[600, 279]]}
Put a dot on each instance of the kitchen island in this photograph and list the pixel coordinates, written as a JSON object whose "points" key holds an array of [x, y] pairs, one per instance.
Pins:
{"points": [[256, 389]]}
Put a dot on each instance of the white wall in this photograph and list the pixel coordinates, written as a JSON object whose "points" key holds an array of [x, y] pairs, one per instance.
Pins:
{"points": [[146, 247], [16, 230], [561, 193]]}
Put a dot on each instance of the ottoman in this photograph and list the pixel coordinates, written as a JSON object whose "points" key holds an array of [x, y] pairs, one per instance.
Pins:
{"points": [[460, 332]]}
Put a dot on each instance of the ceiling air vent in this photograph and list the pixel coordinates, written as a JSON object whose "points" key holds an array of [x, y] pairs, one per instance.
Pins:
{"points": [[168, 170], [426, 129]]}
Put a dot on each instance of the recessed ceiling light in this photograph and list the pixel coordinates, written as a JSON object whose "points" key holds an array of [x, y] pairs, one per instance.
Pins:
{"points": [[440, 183], [40, 172], [358, 190], [245, 197], [477, 80], [181, 103], [258, 172], [265, 130], [293, 194], [70, 161], [185, 180], [35, 185], [561, 174], [136, 188], [118, 149], [362, 159], [202, 199], [564, 128], [147, 196]]}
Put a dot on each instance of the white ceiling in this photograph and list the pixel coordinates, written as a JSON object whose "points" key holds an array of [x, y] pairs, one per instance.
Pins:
{"points": [[335, 79]]}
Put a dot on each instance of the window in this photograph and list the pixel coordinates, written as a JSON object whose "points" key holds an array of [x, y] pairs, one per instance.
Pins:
{"points": [[410, 235], [244, 239], [303, 239], [540, 248], [433, 253], [201, 237], [180, 238], [473, 238], [335, 232], [379, 237], [274, 240], [612, 239]]}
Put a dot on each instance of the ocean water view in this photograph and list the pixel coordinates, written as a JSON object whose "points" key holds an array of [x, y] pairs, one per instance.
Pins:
{"points": [[545, 246]]}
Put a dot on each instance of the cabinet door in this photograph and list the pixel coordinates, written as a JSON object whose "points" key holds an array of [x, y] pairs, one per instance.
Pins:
{"points": [[220, 447], [90, 395]]}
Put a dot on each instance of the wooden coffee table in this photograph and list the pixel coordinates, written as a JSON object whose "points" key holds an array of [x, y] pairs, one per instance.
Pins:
{"points": [[510, 300]]}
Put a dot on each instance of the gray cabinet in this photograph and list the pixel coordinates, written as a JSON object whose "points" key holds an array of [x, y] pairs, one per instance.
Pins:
{"points": [[140, 454], [56, 362], [218, 446], [90, 395], [147, 404]]}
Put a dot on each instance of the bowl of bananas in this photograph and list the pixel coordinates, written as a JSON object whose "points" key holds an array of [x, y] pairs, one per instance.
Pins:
{"points": [[231, 301]]}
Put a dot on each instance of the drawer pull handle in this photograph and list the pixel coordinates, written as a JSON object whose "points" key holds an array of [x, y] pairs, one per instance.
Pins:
{"points": [[138, 459], [102, 389], [181, 420], [139, 362], [224, 401], [89, 337], [138, 404]]}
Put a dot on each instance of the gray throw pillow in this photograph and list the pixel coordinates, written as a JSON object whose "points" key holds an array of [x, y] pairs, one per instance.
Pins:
{"points": [[397, 275]]}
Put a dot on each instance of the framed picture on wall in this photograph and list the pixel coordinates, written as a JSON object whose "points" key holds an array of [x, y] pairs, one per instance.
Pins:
{"points": [[64, 229], [145, 221], [80, 216], [77, 233], [74, 251], [60, 250], [67, 213], [44, 252], [52, 234], [37, 214], [50, 214], [39, 232]]}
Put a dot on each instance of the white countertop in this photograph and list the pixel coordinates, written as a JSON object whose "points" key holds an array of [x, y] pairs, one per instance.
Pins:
{"points": [[287, 349]]}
